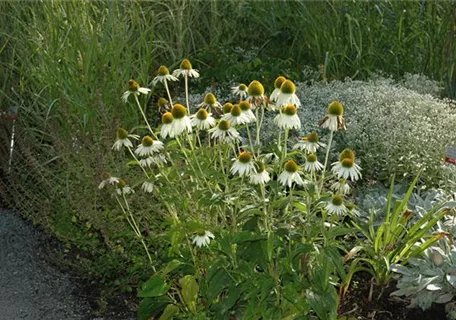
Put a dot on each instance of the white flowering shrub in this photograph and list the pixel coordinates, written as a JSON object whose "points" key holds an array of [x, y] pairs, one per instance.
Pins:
{"points": [[394, 128]]}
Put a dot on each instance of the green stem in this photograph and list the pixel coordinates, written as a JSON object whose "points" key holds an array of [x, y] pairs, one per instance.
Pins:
{"points": [[322, 179], [169, 94], [145, 118]]}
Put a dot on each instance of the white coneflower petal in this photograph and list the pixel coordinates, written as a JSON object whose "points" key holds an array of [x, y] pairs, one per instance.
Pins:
{"points": [[310, 143], [341, 187], [148, 147], [147, 187], [334, 119], [108, 181], [203, 239], [186, 69], [163, 75], [134, 88], [240, 91], [290, 174], [223, 132], [260, 175], [336, 205], [287, 118], [123, 139], [347, 168], [312, 164], [157, 159], [243, 165], [287, 95], [236, 116], [202, 120]]}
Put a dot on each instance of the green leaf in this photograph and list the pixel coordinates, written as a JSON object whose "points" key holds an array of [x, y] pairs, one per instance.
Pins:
{"points": [[171, 266], [169, 312], [189, 292], [324, 303], [154, 287], [151, 307]]}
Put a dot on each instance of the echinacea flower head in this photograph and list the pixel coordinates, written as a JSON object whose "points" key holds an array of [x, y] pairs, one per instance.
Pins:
{"points": [[277, 84], [156, 159], [224, 133], [340, 187], [244, 165], [163, 76], [312, 164], [334, 119], [123, 188], [256, 95], [287, 95], [134, 88], [290, 174], [336, 205], [148, 147], [247, 110], [260, 175], [202, 120], [203, 238], [123, 139], [346, 166], [236, 116], [227, 108], [163, 105], [181, 121], [185, 69], [167, 125], [310, 143], [210, 102], [147, 187], [240, 91], [108, 180], [288, 118]]}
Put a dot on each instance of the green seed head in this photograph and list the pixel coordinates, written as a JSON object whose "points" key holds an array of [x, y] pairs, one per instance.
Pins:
{"points": [[278, 82], [244, 105], [186, 65], [288, 87], [289, 110], [202, 114], [163, 71], [122, 183], [122, 134], [347, 153], [227, 108], [162, 102], [224, 125], [336, 108], [210, 99], [337, 200], [313, 137], [245, 157], [179, 111], [242, 87], [105, 176], [311, 158], [291, 166], [133, 85], [259, 166], [201, 233], [236, 111], [167, 118], [255, 89], [147, 141], [347, 163]]}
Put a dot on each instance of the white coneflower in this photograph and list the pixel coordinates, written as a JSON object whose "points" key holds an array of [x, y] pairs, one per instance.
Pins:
{"points": [[224, 133], [123, 139], [346, 166], [123, 188], [157, 159], [256, 94], [312, 164], [202, 120], [210, 103], [336, 205], [203, 238], [310, 144], [287, 95], [240, 91], [246, 109], [290, 174], [287, 118], [261, 175], [134, 88], [334, 120], [186, 69], [236, 116], [181, 121], [163, 75], [147, 187], [243, 165], [341, 187], [148, 147], [227, 108], [163, 105], [277, 83], [167, 125], [108, 180]]}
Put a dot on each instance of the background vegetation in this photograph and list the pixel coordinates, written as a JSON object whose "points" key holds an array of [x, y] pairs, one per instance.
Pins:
{"points": [[64, 65]]}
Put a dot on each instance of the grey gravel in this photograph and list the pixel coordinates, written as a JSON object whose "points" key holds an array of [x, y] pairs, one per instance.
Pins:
{"points": [[30, 288]]}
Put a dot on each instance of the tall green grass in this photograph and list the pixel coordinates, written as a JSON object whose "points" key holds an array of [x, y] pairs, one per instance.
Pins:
{"points": [[65, 65]]}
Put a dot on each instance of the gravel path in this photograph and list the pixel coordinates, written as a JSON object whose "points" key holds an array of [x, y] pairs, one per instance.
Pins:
{"points": [[30, 288]]}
